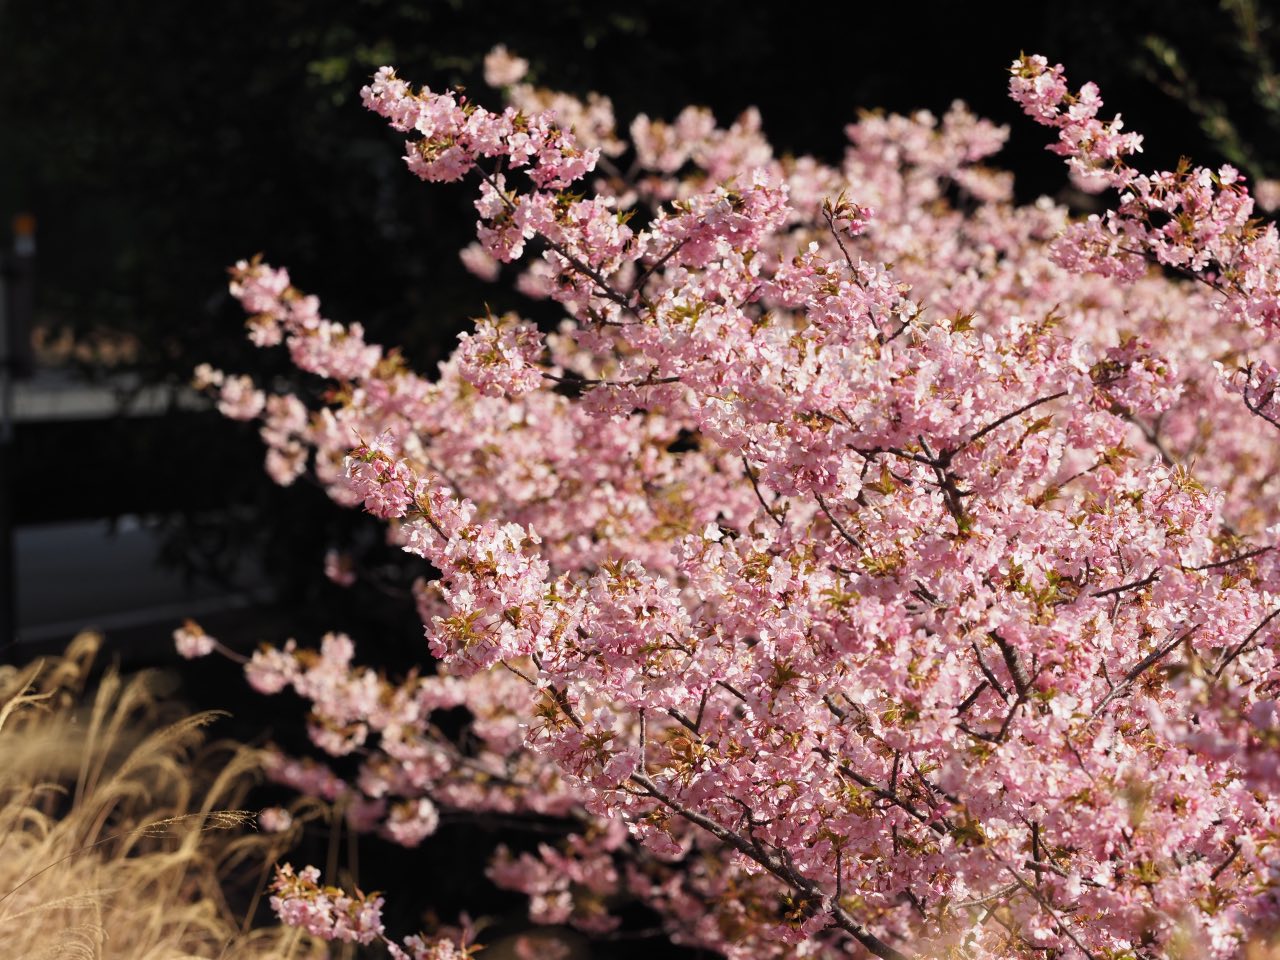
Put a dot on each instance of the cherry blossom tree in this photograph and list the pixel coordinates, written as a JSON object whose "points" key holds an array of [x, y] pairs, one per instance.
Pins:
{"points": [[866, 564]]}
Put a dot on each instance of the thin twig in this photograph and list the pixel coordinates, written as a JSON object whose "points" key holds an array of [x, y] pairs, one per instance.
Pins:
{"points": [[760, 496], [1139, 668], [1240, 647], [848, 537], [1007, 417]]}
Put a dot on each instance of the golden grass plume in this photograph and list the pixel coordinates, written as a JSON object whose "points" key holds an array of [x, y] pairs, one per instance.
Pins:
{"points": [[120, 830]]}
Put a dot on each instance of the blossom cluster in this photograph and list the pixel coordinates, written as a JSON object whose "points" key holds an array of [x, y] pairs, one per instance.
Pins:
{"points": [[919, 610], [1191, 219], [331, 913]]}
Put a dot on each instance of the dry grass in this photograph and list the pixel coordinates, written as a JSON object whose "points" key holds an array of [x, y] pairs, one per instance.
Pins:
{"points": [[119, 829]]}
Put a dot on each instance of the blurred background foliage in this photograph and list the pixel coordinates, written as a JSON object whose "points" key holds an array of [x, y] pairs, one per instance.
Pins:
{"points": [[159, 142]]}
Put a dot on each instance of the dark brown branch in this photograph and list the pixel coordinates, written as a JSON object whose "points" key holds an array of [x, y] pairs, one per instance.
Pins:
{"points": [[986, 672], [1155, 575], [1217, 871], [1240, 647], [602, 285], [1009, 416], [1238, 558], [593, 382], [1256, 410], [828, 213], [702, 705], [1047, 908], [751, 475], [1135, 585], [776, 865], [972, 698], [732, 689], [848, 537], [604, 289], [1141, 667], [680, 718], [638, 287], [889, 796], [1017, 671]]}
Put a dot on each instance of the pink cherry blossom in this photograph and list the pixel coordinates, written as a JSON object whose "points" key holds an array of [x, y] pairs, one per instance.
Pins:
{"points": [[501, 68], [858, 569], [191, 641], [275, 819]]}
